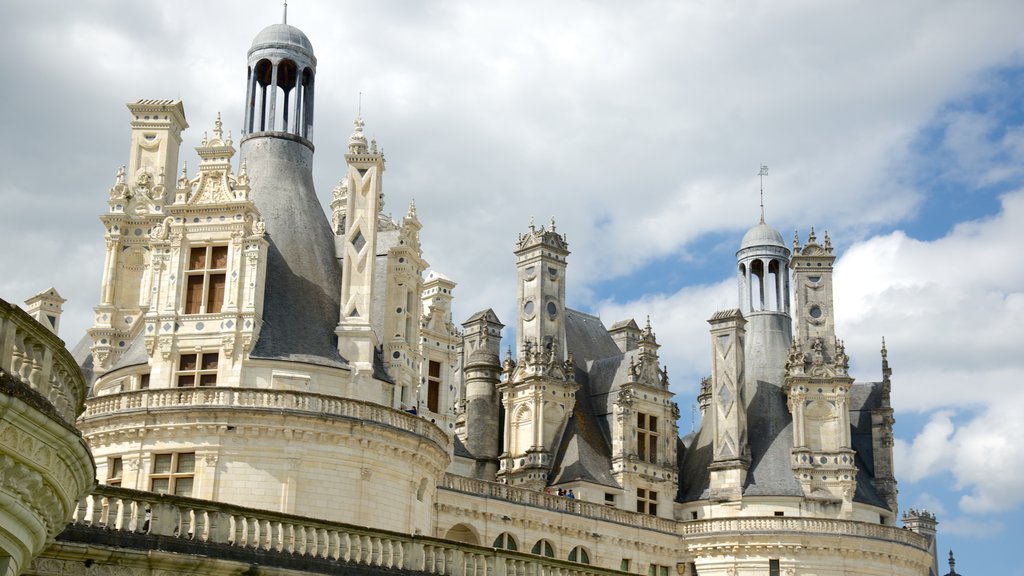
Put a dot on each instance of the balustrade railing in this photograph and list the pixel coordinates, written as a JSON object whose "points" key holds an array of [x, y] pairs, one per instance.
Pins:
{"points": [[256, 398], [37, 357], [517, 495], [199, 521], [690, 528], [779, 524]]}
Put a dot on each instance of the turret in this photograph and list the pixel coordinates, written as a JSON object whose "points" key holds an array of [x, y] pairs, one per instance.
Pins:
{"points": [[728, 418], [481, 374], [46, 307], [818, 384], [303, 281], [539, 388]]}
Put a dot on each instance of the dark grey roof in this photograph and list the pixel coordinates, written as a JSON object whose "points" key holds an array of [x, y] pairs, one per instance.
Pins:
{"points": [[488, 314], [82, 354], [584, 453], [587, 338], [770, 434], [460, 448], [865, 397], [303, 283]]}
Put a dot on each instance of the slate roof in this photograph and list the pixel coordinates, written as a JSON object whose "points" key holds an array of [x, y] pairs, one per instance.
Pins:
{"points": [[770, 433], [584, 452], [303, 283]]}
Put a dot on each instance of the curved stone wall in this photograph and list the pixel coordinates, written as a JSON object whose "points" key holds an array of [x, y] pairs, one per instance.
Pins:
{"points": [[45, 466], [333, 458]]}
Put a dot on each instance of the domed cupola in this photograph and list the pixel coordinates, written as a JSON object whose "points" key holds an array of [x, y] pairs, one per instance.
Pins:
{"points": [[279, 91], [763, 271]]}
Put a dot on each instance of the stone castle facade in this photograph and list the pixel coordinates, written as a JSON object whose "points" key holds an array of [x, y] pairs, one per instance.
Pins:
{"points": [[255, 363]]}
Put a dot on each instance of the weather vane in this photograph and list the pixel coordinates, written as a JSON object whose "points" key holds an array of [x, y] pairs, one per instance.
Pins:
{"points": [[762, 173]]}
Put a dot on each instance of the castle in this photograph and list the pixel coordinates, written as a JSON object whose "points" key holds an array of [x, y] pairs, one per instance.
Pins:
{"points": [[266, 377]]}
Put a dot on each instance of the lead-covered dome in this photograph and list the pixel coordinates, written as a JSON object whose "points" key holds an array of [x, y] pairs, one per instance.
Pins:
{"points": [[762, 235], [283, 36]]}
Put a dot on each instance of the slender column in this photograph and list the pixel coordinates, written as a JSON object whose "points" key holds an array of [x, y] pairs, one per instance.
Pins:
{"points": [[273, 97], [296, 127], [249, 101], [263, 108], [307, 114], [108, 274]]}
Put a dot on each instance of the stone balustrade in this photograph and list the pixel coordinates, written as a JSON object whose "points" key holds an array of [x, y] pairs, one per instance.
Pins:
{"points": [[555, 503], [201, 522], [37, 358], [262, 399], [795, 525], [686, 529]]}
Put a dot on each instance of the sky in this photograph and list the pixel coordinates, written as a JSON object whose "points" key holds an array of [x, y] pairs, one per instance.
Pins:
{"points": [[641, 127]]}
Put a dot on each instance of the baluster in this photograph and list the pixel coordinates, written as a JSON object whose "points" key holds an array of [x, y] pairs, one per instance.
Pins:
{"points": [[345, 547], [164, 519], [375, 559], [220, 527], [454, 561], [365, 549], [266, 535]]}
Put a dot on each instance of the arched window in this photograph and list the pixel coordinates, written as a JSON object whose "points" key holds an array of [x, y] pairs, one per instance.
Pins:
{"points": [[579, 554], [543, 548], [462, 533], [506, 541]]}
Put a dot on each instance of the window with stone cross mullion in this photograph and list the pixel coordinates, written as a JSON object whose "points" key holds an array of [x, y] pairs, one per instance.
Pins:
{"points": [[206, 279]]}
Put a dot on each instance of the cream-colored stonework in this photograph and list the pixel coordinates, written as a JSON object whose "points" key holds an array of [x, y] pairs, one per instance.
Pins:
{"points": [[273, 385]]}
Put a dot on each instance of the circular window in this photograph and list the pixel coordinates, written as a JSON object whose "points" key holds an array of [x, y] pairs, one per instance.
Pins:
{"points": [[815, 312], [552, 309], [528, 307], [396, 354]]}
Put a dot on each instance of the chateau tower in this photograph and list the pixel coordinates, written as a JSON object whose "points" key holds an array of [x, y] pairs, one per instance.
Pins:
{"points": [[439, 343], [482, 430], [401, 313], [135, 206], [539, 390], [644, 429], [763, 280], [728, 417], [46, 307], [357, 339], [818, 384], [231, 386], [303, 278]]}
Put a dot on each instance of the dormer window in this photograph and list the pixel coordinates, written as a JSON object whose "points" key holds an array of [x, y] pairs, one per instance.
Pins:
{"points": [[205, 279]]}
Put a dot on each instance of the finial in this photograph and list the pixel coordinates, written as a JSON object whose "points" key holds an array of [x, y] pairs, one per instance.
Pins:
{"points": [[205, 139], [373, 146], [811, 238], [762, 173], [952, 564], [218, 128], [412, 207], [828, 242], [885, 353], [552, 223], [532, 226], [796, 240], [284, 17]]}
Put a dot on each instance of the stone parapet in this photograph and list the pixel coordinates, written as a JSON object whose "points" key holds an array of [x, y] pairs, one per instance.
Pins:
{"points": [[283, 539], [45, 466], [250, 399], [37, 358], [779, 525], [555, 503]]}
